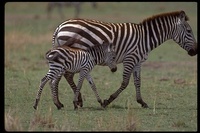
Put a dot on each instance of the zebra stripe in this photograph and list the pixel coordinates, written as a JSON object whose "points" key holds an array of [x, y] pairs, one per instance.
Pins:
{"points": [[133, 42], [65, 60]]}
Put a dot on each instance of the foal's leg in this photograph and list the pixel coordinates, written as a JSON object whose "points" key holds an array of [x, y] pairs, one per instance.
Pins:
{"points": [[77, 90], [42, 84], [89, 79], [69, 77], [54, 90]]}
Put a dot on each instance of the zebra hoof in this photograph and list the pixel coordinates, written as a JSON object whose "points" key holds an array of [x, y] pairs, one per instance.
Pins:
{"points": [[105, 103], [75, 105], [35, 107], [145, 105], [80, 104], [80, 101], [114, 69], [101, 103], [60, 106]]}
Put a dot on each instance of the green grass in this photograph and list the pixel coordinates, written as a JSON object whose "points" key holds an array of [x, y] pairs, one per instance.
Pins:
{"points": [[169, 76]]}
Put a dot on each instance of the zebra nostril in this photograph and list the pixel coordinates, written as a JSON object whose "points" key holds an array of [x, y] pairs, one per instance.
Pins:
{"points": [[114, 69]]}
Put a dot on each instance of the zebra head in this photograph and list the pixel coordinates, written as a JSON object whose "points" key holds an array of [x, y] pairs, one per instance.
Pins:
{"points": [[110, 56], [183, 35]]}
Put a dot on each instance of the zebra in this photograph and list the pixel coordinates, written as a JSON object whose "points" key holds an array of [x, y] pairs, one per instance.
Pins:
{"points": [[65, 60], [133, 42]]}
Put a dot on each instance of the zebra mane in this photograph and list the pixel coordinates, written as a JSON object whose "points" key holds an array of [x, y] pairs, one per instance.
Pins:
{"points": [[175, 13]]}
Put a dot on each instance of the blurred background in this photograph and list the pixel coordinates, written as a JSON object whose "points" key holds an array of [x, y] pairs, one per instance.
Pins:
{"points": [[42, 18]]}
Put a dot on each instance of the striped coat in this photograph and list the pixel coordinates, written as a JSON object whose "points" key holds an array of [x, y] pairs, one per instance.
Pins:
{"points": [[133, 41]]}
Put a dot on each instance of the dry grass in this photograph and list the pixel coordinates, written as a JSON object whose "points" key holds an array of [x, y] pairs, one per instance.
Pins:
{"points": [[39, 121], [18, 40], [132, 121], [12, 122], [45, 121]]}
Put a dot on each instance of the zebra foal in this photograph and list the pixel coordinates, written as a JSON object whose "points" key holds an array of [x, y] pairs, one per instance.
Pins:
{"points": [[133, 42], [65, 60]]}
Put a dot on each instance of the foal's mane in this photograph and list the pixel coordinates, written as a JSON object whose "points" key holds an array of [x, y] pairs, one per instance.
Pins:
{"points": [[175, 14]]}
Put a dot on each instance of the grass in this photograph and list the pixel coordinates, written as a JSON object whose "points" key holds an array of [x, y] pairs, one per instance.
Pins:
{"points": [[169, 76]]}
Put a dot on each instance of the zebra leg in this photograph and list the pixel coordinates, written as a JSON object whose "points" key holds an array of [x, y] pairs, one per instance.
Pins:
{"points": [[42, 84], [54, 91], [137, 83], [69, 77], [77, 91], [126, 77], [89, 79]]}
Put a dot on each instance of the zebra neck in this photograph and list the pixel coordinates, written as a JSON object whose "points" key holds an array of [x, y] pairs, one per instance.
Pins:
{"points": [[96, 54], [156, 33]]}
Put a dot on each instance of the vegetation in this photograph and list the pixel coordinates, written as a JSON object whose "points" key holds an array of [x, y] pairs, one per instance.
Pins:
{"points": [[169, 76]]}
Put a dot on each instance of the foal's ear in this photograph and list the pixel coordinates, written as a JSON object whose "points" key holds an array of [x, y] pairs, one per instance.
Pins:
{"points": [[111, 47]]}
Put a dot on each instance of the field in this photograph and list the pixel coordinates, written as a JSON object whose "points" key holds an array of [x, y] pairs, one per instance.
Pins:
{"points": [[169, 76]]}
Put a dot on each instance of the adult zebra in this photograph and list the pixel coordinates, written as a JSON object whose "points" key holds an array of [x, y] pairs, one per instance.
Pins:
{"points": [[65, 60], [133, 41]]}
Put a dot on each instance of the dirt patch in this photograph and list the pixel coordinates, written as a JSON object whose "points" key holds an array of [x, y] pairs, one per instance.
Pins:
{"points": [[179, 81]]}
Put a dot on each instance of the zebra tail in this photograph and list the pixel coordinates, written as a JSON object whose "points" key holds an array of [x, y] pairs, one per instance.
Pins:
{"points": [[51, 56]]}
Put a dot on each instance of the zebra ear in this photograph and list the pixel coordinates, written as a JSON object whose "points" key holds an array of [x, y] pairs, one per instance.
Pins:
{"points": [[112, 47], [109, 48], [182, 16]]}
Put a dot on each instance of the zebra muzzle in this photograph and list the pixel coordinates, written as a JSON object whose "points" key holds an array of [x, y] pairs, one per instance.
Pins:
{"points": [[114, 69], [192, 52]]}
